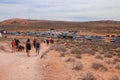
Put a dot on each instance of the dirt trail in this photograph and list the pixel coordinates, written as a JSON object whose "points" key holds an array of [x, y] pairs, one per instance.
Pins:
{"points": [[17, 66], [52, 67]]}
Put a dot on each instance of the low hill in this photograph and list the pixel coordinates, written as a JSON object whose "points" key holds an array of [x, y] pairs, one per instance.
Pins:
{"points": [[108, 26]]}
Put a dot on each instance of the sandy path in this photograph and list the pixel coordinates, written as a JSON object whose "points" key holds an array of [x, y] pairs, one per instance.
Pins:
{"points": [[52, 67], [17, 66]]}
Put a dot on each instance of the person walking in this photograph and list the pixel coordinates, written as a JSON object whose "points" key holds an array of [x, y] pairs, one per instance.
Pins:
{"points": [[13, 43], [47, 42], [28, 47], [51, 41], [17, 43], [34, 42], [37, 46]]}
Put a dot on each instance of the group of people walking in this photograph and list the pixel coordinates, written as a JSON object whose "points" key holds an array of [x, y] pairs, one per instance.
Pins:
{"points": [[15, 44], [36, 43]]}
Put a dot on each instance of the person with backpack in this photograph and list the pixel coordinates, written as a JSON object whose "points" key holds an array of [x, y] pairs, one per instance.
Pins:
{"points": [[17, 43], [13, 43], [37, 46], [28, 47]]}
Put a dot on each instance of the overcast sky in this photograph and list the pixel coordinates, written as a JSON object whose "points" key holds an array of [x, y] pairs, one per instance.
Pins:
{"points": [[66, 10]]}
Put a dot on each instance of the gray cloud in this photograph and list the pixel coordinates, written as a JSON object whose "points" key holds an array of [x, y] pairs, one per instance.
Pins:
{"points": [[70, 10]]}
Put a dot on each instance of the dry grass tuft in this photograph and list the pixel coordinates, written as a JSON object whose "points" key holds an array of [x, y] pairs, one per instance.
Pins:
{"points": [[77, 65], [99, 66], [89, 76], [108, 55], [75, 51], [108, 61], [117, 66], [60, 48], [114, 78], [70, 59], [99, 57], [118, 54], [78, 56]]}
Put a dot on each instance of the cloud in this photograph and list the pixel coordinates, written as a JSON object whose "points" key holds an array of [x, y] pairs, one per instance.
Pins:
{"points": [[70, 10]]}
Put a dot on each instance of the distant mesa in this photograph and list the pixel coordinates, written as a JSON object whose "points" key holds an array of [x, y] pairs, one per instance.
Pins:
{"points": [[15, 21]]}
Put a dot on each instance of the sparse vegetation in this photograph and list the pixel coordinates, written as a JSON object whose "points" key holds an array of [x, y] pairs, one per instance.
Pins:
{"points": [[116, 60], [99, 57], [117, 66], [118, 54], [77, 65], [99, 66], [108, 55], [75, 51], [115, 78], [89, 76], [108, 61], [60, 48], [78, 56], [70, 59]]}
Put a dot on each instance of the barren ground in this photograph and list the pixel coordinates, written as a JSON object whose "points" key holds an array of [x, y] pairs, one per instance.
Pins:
{"points": [[17, 66]]}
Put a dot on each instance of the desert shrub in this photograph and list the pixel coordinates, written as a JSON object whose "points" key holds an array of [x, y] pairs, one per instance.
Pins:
{"points": [[67, 46], [114, 78], [116, 59], [78, 56], [75, 51], [60, 48], [101, 51], [99, 57], [77, 65], [117, 66], [99, 66], [108, 55], [89, 76], [118, 54], [70, 59], [107, 61], [92, 52], [62, 54]]}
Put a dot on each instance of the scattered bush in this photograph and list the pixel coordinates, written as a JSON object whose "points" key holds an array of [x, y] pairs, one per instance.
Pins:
{"points": [[108, 55], [99, 57], [115, 78], [70, 59], [117, 66], [99, 66], [118, 54], [101, 51], [62, 54], [107, 61], [89, 76], [60, 48], [77, 66], [116, 59], [78, 56], [92, 52], [75, 51]]}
